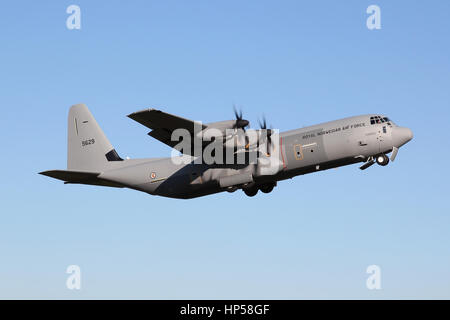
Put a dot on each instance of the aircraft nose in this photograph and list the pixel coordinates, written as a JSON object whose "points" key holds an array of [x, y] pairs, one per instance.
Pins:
{"points": [[410, 134], [402, 135]]}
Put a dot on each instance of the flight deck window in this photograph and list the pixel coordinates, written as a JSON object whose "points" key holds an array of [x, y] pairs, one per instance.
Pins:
{"points": [[379, 119]]}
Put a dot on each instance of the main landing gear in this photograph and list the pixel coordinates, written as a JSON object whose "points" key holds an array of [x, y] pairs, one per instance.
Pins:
{"points": [[251, 192], [265, 188]]}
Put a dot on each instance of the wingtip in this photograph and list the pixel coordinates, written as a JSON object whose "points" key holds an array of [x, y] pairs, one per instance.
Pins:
{"points": [[48, 173], [131, 115]]}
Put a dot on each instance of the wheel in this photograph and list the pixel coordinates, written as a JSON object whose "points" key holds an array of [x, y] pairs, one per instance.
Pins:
{"points": [[251, 192], [382, 159], [267, 188]]}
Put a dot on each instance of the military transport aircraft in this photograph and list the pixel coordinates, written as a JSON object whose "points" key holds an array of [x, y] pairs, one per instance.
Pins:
{"points": [[250, 160]]}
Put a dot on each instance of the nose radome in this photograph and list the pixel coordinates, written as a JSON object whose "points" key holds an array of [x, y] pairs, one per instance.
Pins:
{"points": [[410, 134], [402, 135]]}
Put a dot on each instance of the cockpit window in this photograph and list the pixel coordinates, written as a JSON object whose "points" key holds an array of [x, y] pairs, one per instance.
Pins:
{"points": [[379, 119]]}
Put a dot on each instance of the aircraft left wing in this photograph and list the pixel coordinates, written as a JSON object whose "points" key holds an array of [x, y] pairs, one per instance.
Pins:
{"points": [[163, 124]]}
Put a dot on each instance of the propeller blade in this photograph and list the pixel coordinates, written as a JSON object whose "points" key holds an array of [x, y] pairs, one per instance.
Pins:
{"points": [[263, 125], [240, 123], [236, 113], [268, 145], [394, 153]]}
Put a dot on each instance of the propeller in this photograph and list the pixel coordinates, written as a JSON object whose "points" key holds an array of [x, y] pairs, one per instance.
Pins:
{"points": [[263, 126], [240, 122]]}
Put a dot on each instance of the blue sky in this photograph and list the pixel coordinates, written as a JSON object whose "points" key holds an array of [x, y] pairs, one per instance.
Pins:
{"points": [[297, 63]]}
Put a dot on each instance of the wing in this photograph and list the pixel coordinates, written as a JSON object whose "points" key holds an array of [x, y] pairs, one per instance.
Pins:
{"points": [[163, 124]]}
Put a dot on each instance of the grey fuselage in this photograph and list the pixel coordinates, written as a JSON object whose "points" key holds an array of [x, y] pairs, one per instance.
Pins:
{"points": [[309, 149]]}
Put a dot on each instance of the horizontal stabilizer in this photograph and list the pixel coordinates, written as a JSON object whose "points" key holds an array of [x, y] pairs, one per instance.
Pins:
{"points": [[81, 177], [70, 175]]}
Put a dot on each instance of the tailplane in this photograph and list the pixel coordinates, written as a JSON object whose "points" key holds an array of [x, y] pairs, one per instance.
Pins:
{"points": [[80, 177]]}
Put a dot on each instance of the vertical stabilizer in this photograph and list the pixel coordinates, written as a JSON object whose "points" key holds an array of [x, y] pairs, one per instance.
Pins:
{"points": [[88, 149]]}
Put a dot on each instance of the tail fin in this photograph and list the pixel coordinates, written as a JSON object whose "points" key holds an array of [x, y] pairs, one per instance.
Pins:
{"points": [[88, 149]]}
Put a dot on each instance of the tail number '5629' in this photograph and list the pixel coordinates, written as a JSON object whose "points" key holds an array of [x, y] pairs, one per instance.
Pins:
{"points": [[87, 142]]}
